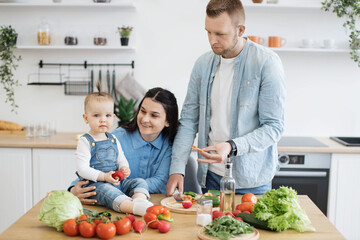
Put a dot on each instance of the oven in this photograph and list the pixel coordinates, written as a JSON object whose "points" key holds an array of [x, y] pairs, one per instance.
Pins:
{"points": [[307, 173]]}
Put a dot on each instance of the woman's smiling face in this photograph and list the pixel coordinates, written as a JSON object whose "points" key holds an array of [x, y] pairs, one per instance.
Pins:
{"points": [[151, 119]]}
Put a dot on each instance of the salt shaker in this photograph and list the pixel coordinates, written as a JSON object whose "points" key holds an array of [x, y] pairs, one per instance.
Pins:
{"points": [[204, 211]]}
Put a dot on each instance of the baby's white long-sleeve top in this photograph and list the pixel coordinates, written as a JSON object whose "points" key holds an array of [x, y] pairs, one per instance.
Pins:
{"points": [[83, 156]]}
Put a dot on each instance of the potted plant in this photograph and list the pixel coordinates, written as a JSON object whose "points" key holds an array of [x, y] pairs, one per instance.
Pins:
{"points": [[350, 10], [8, 37], [124, 110], [125, 32]]}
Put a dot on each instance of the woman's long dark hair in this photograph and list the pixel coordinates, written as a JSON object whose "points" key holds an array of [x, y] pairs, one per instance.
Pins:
{"points": [[168, 101]]}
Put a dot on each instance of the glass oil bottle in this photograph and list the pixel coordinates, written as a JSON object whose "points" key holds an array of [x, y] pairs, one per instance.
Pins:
{"points": [[227, 190]]}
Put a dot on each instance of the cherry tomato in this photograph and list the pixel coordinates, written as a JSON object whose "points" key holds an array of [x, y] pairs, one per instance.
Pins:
{"points": [[123, 226], [87, 229], [83, 217], [249, 197], [236, 212], [106, 230], [217, 214], [186, 204], [100, 220], [239, 219], [71, 227], [245, 206]]}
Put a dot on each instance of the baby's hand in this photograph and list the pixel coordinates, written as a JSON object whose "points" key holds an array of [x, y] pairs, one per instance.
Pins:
{"points": [[126, 171], [110, 179]]}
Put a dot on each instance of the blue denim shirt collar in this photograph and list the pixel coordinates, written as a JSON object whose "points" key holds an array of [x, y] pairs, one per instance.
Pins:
{"points": [[138, 141]]}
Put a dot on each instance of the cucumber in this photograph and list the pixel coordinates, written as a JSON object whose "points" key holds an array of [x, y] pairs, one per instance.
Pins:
{"points": [[250, 219]]}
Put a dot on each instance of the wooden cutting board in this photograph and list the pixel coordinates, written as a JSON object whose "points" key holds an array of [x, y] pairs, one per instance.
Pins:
{"points": [[12, 133], [251, 236], [177, 207]]}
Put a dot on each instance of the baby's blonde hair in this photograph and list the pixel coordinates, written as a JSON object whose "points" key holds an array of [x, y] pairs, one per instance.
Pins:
{"points": [[97, 96]]}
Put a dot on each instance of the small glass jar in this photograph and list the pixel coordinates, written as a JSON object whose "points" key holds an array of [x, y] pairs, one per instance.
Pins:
{"points": [[71, 39], [44, 37], [204, 211], [100, 39]]}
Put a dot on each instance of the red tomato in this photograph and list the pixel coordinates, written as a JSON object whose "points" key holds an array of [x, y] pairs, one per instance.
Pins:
{"points": [[249, 197], [138, 226], [245, 206], [105, 230], [123, 226], [186, 204], [83, 217], [163, 226], [99, 220], [131, 217], [236, 212], [118, 175], [87, 229], [239, 219], [217, 214], [248, 212], [71, 227]]}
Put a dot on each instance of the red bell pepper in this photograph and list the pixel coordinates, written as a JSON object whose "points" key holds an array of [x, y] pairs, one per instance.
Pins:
{"points": [[156, 213]]}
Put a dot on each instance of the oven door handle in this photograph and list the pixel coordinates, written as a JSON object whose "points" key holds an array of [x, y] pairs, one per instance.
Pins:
{"points": [[300, 174]]}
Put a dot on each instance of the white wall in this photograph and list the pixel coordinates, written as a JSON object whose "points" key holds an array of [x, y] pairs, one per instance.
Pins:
{"points": [[322, 88]]}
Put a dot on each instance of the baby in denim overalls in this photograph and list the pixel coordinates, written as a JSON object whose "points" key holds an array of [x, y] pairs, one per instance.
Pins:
{"points": [[99, 154]]}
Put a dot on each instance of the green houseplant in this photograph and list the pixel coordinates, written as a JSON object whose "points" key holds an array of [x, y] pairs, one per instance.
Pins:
{"points": [[124, 110], [124, 32], [350, 10], [8, 37]]}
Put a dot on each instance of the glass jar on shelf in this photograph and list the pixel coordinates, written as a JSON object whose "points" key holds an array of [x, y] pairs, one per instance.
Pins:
{"points": [[44, 37], [100, 39], [71, 39]]}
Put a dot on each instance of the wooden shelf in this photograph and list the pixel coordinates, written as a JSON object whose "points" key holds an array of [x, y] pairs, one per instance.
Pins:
{"points": [[312, 50], [63, 47], [123, 5], [280, 6]]}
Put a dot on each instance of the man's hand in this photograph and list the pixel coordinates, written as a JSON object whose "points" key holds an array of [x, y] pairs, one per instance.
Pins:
{"points": [[175, 181], [83, 193], [221, 150], [126, 171]]}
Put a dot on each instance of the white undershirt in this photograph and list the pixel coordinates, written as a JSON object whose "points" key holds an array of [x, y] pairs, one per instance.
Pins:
{"points": [[220, 108], [83, 156]]}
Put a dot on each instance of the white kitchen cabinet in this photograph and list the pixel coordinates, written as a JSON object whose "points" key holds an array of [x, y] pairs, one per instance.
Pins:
{"points": [[344, 208], [53, 169], [16, 184]]}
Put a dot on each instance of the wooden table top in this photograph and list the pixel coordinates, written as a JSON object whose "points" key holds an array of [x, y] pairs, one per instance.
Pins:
{"points": [[183, 227]]}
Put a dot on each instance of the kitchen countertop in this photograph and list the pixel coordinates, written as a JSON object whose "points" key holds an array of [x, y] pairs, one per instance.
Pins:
{"points": [[68, 141], [183, 227]]}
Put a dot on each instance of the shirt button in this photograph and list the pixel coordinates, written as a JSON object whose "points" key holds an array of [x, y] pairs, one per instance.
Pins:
{"points": [[207, 118], [93, 144]]}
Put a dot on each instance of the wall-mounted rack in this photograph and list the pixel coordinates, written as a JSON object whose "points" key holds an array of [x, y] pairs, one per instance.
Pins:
{"points": [[79, 80]]}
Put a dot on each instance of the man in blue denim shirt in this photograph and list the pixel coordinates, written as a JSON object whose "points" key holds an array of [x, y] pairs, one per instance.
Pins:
{"points": [[235, 102]]}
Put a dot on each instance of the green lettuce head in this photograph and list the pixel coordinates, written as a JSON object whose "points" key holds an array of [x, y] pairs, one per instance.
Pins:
{"points": [[58, 207]]}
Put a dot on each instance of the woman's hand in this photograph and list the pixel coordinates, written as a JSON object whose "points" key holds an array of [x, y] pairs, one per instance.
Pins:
{"points": [[126, 171], [83, 193]]}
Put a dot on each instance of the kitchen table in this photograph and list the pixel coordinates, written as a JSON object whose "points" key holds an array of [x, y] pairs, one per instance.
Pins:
{"points": [[183, 227]]}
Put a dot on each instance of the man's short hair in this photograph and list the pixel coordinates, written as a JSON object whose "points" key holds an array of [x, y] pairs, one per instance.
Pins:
{"points": [[234, 8]]}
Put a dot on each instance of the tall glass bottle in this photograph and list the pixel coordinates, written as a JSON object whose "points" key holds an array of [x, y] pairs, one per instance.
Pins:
{"points": [[227, 190]]}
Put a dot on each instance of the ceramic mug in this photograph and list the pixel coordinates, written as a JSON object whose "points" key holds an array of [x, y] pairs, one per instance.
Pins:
{"points": [[329, 43], [307, 43], [276, 42], [257, 39]]}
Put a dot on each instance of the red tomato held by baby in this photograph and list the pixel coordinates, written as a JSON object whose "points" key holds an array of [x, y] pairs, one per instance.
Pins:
{"points": [[186, 204], [118, 175], [163, 226]]}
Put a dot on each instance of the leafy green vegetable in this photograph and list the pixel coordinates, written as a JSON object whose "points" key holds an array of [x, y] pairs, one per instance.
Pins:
{"points": [[281, 209], [58, 207], [227, 227]]}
